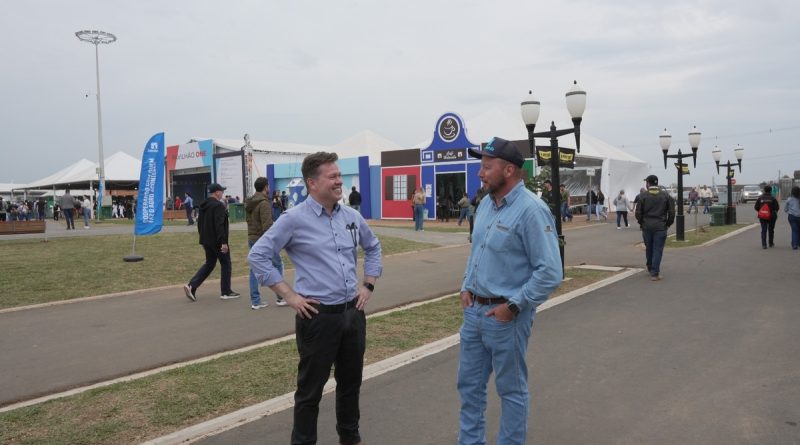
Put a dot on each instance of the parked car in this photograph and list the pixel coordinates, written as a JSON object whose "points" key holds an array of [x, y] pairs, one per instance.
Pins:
{"points": [[750, 193]]}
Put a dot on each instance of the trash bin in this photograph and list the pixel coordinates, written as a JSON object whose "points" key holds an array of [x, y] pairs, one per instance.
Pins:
{"points": [[236, 212], [717, 215], [105, 212], [425, 213]]}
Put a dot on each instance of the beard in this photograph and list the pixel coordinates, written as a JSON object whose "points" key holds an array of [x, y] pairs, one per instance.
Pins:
{"points": [[497, 186]]}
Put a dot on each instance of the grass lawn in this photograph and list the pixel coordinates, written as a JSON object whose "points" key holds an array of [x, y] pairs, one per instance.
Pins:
{"points": [[702, 234], [143, 409], [37, 272]]}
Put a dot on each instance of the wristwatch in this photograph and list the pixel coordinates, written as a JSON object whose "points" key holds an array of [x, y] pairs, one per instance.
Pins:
{"points": [[369, 286], [513, 308]]}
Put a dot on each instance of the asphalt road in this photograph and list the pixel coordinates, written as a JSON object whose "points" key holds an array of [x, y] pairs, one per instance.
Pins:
{"points": [[706, 356]]}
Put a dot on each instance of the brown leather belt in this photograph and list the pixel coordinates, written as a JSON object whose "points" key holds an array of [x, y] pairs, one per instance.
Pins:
{"points": [[485, 301]]}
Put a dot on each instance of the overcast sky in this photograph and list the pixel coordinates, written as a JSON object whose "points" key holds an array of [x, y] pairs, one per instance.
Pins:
{"points": [[317, 72]]}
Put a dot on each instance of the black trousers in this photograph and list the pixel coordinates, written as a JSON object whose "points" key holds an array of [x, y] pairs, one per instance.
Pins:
{"points": [[329, 339], [768, 227], [213, 254]]}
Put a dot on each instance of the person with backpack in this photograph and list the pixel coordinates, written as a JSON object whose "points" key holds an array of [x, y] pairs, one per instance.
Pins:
{"points": [[767, 211], [655, 214]]}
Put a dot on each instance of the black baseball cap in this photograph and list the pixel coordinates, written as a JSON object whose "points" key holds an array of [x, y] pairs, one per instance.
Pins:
{"points": [[652, 179], [500, 148], [215, 188]]}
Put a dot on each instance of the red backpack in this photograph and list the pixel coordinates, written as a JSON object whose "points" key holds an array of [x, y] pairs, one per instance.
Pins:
{"points": [[765, 212]]}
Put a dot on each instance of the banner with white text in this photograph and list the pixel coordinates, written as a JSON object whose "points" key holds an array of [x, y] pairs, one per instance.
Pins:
{"points": [[150, 201]]}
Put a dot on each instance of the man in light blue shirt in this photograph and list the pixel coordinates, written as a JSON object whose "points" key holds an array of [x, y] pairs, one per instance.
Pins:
{"points": [[513, 267], [322, 237]]}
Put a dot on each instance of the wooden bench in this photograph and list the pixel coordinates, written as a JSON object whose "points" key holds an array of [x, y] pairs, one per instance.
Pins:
{"points": [[171, 215], [19, 227]]}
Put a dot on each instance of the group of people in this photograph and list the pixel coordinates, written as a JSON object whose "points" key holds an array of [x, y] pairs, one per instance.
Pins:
{"points": [[23, 210], [702, 196], [512, 231], [767, 208], [72, 207]]}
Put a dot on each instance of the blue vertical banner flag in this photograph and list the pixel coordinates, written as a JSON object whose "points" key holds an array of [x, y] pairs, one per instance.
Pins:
{"points": [[150, 201]]}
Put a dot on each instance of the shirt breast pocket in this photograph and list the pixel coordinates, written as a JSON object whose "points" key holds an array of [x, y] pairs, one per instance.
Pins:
{"points": [[501, 239]]}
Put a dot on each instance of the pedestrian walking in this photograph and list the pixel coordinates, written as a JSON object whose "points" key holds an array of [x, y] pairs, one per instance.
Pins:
{"points": [[706, 195], [767, 211], [693, 197], [566, 214], [591, 202], [86, 208], [655, 214], [188, 206], [792, 207], [212, 225], [322, 239], [67, 203], [463, 208], [547, 196], [277, 206], [621, 205], [419, 208], [600, 208], [258, 212], [354, 199], [513, 266]]}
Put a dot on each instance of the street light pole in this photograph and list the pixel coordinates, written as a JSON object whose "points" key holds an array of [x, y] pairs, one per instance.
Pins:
{"points": [[576, 105], [694, 141], [96, 38], [730, 211]]}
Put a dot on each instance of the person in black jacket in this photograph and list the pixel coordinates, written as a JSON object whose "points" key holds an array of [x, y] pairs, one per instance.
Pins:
{"points": [[355, 199], [655, 213], [212, 224], [767, 224]]}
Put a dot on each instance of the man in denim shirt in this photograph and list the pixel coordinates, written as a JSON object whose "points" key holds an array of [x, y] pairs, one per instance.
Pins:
{"points": [[513, 267], [322, 237]]}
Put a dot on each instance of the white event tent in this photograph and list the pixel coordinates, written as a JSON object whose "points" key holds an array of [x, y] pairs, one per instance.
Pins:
{"points": [[121, 172]]}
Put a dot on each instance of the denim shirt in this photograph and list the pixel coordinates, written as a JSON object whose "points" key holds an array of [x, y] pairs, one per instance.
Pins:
{"points": [[514, 250], [792, 206], [323, 249]]}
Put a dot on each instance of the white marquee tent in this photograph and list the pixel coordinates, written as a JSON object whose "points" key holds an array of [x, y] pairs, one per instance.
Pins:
{"points": [[121, 171]]}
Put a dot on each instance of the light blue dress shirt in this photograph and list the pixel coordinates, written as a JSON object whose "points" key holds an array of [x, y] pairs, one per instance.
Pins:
{"points": [[514, 250], [323, 249]]}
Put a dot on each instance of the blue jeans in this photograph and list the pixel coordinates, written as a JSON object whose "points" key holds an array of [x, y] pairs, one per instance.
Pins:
{"points": [[255, 294], [70, 219], [462, 215], [489, 345], [565, 213], [654, 240], [794, 223], [706, 204], [418, 213], [86, 215]]}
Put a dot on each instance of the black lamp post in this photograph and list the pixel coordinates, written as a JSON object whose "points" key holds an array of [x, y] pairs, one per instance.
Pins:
{"points": [[730, 211], [576, 105], [694, 141]]}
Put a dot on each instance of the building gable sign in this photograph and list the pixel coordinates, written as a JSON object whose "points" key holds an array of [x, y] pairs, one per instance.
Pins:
{"points": [[449, 142]]}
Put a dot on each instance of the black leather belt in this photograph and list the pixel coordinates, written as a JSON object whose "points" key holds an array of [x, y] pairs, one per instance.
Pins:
{"points": [[485, 301], [335, 308]]}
